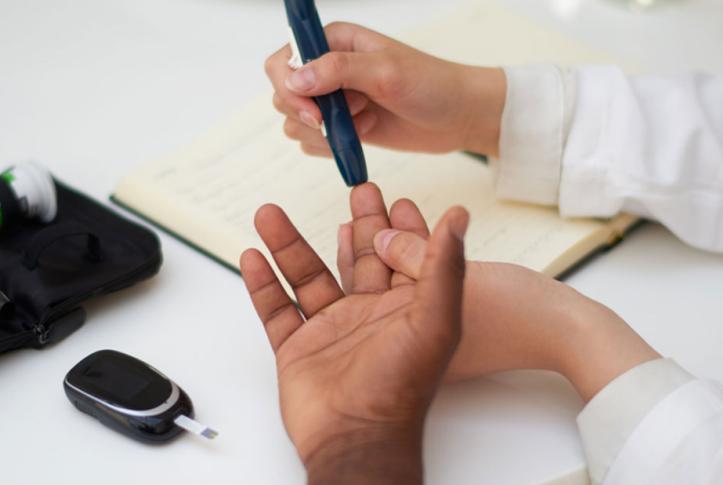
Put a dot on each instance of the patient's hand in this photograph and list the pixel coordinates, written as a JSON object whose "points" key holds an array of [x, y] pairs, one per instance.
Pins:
{"points": [[356, 378], [513, 318]]}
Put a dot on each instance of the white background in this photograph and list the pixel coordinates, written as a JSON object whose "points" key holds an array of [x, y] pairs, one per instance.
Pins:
{"points": [[93, 87]]}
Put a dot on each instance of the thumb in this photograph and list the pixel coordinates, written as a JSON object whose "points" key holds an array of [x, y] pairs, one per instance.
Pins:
{"points": [[402, 251], [438, 293], [367, 72]]}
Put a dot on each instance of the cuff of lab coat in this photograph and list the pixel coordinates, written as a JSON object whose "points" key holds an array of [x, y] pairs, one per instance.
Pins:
{"points": [[610, 418], [535, 121], [584, 185]]}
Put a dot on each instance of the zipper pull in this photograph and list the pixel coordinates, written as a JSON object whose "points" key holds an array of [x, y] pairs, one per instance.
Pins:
{"points": [[41, 334], [57, 329], [6, 305]]}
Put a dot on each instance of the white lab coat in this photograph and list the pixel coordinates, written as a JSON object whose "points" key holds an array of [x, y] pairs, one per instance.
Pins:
{"points": [[679, 442], [655, 425], [594, 141]]}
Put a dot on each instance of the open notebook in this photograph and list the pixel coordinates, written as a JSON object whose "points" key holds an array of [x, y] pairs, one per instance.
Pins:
{"points": [[207, 193]]}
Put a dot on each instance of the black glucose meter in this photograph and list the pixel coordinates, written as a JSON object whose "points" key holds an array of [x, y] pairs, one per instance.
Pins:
{"points": [[131, 397]]}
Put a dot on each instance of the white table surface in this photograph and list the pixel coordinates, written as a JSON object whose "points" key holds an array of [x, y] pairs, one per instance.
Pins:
{"points": [[94, 87]]}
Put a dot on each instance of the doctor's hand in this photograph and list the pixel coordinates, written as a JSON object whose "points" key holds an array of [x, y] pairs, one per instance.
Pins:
{"points": [[512, 317], [400, 97], [357, 371]]}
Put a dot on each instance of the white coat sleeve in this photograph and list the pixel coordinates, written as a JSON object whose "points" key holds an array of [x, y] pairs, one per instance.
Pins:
{"points": [[655, 425], [595, 142]]}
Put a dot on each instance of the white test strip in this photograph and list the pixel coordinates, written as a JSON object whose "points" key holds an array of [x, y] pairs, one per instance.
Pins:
{"points": [[195, 427]]}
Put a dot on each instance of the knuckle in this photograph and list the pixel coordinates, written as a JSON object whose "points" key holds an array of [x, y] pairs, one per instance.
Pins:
{"points": [[364, 252], [269, 65], [276, 60], [335, 25], [338, 61], [308, 149], [278, 103], [291, 129], [389, 79]]}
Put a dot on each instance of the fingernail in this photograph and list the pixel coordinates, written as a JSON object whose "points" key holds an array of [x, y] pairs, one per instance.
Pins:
{"points": [[301, 80], [309, 120], [384, 238]]}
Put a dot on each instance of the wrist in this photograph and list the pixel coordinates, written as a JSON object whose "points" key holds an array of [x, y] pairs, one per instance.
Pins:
{"points": [[485, 91], [378, 455], [600, 347]]}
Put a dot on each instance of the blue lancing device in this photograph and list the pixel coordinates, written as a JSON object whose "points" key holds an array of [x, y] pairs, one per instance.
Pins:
{"points": [[308, 42]]}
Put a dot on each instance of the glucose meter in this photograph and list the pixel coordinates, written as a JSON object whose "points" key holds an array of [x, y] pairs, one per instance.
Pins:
{"points": [[131, 397]]}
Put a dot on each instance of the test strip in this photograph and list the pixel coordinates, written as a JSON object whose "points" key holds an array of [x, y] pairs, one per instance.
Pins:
{"points": [[195, 427]]}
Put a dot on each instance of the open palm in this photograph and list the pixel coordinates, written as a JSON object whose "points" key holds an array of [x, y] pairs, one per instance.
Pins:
{"points": [[372, 357]]}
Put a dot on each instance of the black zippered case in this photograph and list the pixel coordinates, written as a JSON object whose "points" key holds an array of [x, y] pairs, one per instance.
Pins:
{"points": [[47, 271]]}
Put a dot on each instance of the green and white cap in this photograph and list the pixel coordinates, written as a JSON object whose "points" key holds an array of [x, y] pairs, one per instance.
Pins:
{"points": [[34, 190]]}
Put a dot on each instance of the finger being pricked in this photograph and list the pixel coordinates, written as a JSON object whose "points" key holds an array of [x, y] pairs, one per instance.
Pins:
{"points": [[369, 216], [404, 216], [313, 284]]}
